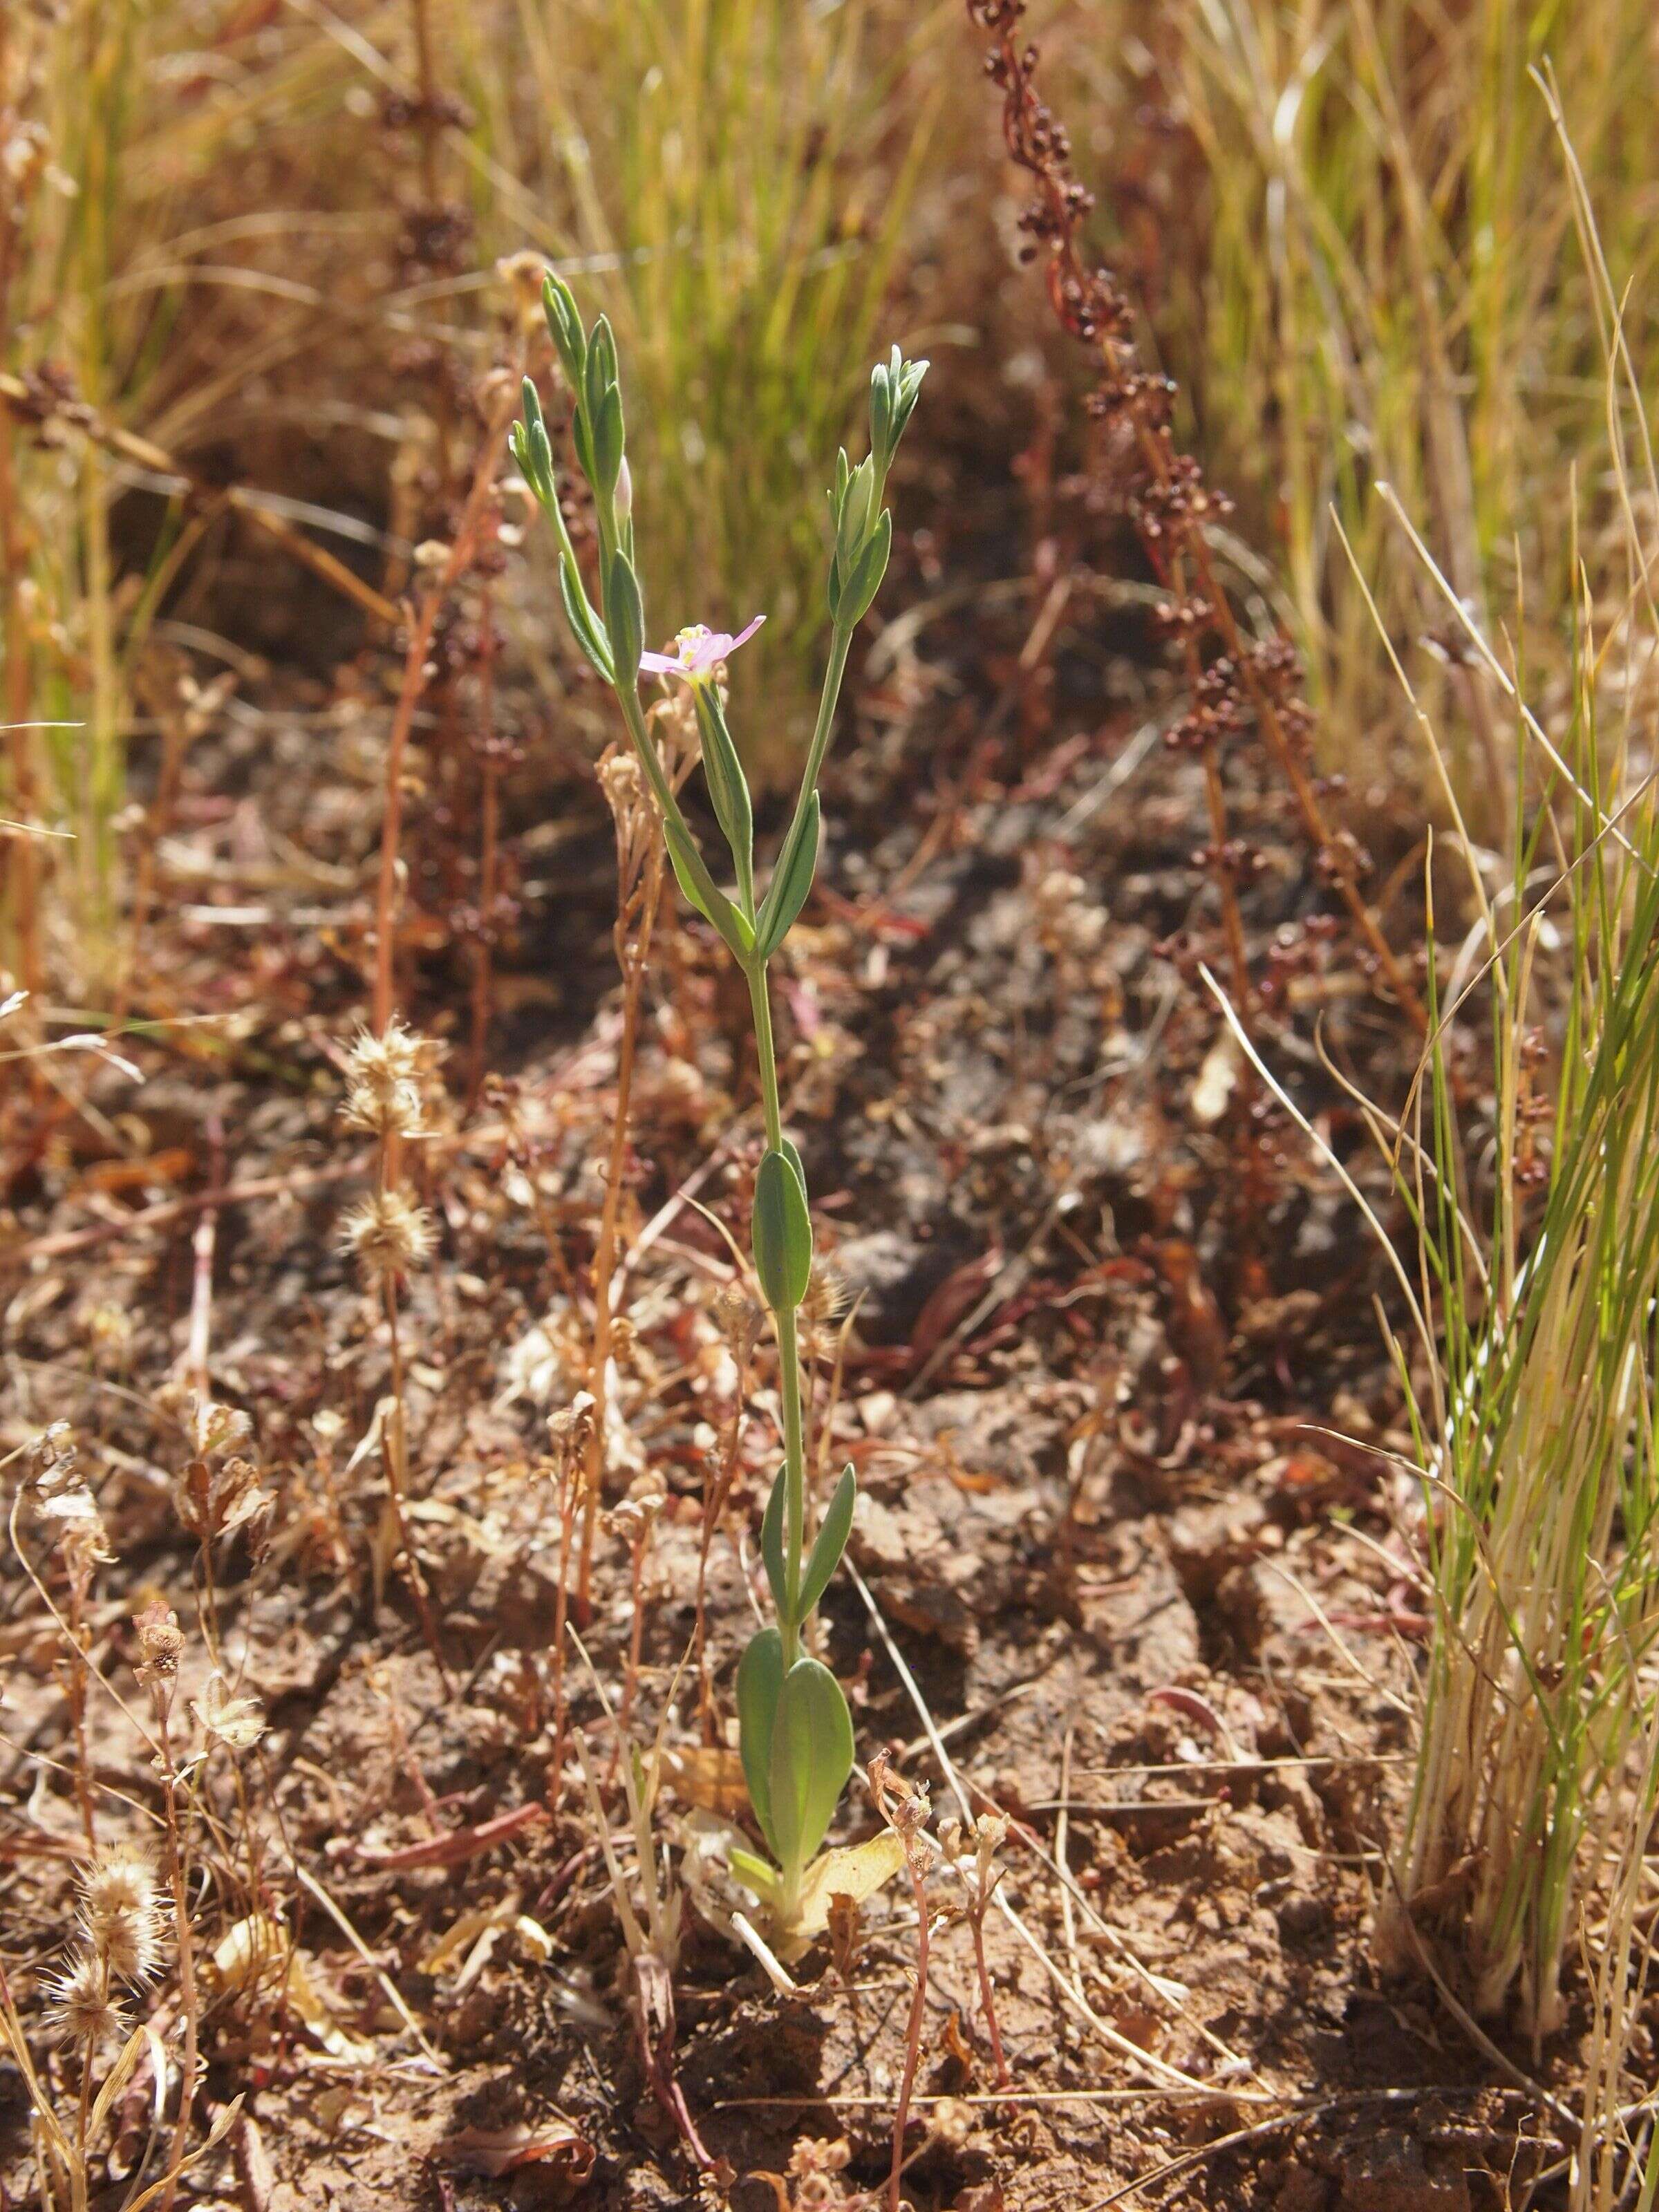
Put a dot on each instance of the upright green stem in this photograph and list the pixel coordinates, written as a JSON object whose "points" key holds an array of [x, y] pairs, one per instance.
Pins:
{"points": [[795, 1450], [766, 1052], [840, 645]]}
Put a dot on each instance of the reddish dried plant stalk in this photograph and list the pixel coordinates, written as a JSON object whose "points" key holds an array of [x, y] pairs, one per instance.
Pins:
{"points": [[1236, 682]]}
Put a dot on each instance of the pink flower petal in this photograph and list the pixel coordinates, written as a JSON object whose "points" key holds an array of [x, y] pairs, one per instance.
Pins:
{"points": [[698, 652]]}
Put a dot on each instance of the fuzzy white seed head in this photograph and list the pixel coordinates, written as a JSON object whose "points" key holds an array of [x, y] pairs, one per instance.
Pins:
{"points": [[80, 2006], [383, 1082], [119, 1912], [388, 1234]]}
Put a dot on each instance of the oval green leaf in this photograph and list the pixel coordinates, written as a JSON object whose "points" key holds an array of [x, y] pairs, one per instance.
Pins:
{"points": [[782, 1232], [625, 614], [791, 879], [729, 786], [608, 442], [759, 1685], [864, 581], [564, 325], [829, 1542], [812, 1758], [694, 879], [598, 369], [585, 624], [772, 1528]]}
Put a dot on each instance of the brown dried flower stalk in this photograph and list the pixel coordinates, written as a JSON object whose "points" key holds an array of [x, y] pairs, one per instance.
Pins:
{"points": [[1235, 683]]}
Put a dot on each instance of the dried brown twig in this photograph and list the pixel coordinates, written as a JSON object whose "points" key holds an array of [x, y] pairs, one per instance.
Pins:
{"points": [[906, 1810], [451, 565], [639, 894]]}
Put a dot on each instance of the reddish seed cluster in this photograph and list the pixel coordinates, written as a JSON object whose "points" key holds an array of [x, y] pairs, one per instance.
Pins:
{"points": [[439, 110], [1239, 687], [437, 233]]}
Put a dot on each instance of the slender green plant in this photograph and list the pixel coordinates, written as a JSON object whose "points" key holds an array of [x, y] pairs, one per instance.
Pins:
{"points": [[738, 180], [795, 1732], [1539, 1433]]}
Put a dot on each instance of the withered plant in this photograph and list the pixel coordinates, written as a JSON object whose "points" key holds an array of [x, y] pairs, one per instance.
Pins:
{"points": [[1236, 683], [639, 893], [390, 1235], [906, 1809]]}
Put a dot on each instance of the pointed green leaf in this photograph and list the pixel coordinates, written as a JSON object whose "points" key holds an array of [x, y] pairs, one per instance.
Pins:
{"points": [[759, 1685], [772, 1528], [881, 413], [608, 441], [520, 452], [791, 879], [863, 580], [782, 1232], [565, 326], [625, 613], [540, 452], [828, 1544], [599, 371], [585, 624], [694, 880], [582, 441], [722, 771], [540, 448], [812, 1758], [531, 448], [857, 515], [894, 385]]}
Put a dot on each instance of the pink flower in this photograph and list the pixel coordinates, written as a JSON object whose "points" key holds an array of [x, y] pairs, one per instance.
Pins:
{"points": [[698, 653]]}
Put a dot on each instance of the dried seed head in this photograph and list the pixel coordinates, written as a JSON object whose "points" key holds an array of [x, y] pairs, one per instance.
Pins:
{"points": [[236, 1722], [218, 1489], [160, 1645], [81, 2009], [522, 274], [77, 1528], [121, 1878], [119, 1912], [385, 1060], [388, 1234], [636, 1514], [397, 1112], [815, 2165], [906, 1808], [738, 1318], [212, 1501], [971, 1855], [53, 1459], [569, 1429], [383, 1082], [211, 1428], [626, 795], [826, 1295], [673, 721], [622, 782]]}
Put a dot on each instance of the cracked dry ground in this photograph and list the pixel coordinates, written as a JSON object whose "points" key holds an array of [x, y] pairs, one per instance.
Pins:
{"points": [[1104, 1317]]}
